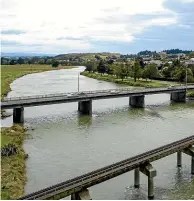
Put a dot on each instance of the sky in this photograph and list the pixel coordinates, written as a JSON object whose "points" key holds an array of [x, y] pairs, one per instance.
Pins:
{"points": [[123, 26]]}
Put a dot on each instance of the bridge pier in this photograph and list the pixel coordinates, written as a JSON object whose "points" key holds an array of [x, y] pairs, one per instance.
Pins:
{"points": [[18, 115], [136, 178], [179, 159], [82, 195], [137, 101], [85, 107], [150, 172], [190, 151], [178, 96]]}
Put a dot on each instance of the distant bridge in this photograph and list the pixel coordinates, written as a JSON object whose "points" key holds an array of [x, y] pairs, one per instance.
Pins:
{"points": [[77, 187], [85, 98]]}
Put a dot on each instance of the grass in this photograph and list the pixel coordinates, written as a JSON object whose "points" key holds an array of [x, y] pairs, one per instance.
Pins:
{"points": [[5, 140], [10, 72], [13, 175], [190, 93], [127, 81]]}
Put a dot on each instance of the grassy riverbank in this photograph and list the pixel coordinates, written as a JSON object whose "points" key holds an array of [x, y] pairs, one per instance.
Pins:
{"points": [[130, 81], [190, 94], [127, 81], [11, 72], [13, 176]]}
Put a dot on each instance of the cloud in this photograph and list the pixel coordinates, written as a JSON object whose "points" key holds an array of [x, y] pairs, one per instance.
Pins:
{"points": [[60, 26]]}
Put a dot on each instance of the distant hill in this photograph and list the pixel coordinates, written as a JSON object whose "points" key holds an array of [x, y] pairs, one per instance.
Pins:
{"points": [[85, 56]]}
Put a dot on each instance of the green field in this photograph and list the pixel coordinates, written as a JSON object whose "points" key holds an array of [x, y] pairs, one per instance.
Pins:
{"points": [[10, 72], [13, 176]]}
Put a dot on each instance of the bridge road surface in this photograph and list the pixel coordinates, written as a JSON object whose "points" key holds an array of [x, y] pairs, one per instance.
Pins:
{"points": [[30, 101]]}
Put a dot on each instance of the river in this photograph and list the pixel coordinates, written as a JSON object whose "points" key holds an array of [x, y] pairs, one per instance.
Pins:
{"points": [[63, 145]]}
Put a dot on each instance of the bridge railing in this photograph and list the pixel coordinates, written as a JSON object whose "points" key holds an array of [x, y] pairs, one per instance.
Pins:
{"points": [[91, 92], [65, 94]]}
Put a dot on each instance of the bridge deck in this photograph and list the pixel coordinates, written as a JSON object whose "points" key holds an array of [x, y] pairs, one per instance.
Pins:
{"points": [[87, 180], [30, 101]]}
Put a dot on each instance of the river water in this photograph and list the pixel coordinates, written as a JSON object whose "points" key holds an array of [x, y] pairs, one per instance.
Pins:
{"points": [[63, 145]]}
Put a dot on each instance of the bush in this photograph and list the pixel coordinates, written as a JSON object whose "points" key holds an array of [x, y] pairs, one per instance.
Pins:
{"points": [[55, 64], [8, 150]]}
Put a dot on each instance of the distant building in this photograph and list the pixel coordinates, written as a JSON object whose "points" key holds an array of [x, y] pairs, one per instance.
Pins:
{"points": [[190, 61], [157, 62], [162, 54]]}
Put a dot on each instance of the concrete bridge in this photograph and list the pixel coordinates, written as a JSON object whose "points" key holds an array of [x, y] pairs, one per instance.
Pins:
{"points": [[84, 99], [77, 187]]}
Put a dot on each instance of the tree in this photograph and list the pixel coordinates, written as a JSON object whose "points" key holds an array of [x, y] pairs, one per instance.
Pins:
{"points": [[20, 61], [116, 70], [55, 64], [29, 62], [41, 61], [136, 70], [97, 57], [166, 72], [4, 61], [109, 69], [89, 66], [145, 73], [13, 62], [122, 71], [49, 61], [180, 74], [152, 71], [191, 66], [101, 68]]}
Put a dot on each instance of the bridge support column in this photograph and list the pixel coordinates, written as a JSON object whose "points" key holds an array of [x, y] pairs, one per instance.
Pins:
{"points": [[179, 159], [82, 195], [192, 165], [178, 96], [190, 151], [137, 101], [149, 171], [18, 115], [85, 107], [136, 178]]}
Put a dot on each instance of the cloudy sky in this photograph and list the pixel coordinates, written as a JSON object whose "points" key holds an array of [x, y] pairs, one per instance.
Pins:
{"points": [[125, 26]]}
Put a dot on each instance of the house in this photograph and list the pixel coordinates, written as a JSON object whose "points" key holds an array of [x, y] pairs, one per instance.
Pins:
{"points": [[157, 62], [190, 61]]}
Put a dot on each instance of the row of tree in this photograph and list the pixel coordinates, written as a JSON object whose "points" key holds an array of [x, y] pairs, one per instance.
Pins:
{"points": [[175, 71], [124, 69], [32, 60]]}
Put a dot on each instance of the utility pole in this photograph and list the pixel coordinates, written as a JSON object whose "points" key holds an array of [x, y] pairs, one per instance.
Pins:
{"points": [[186, 77], [78, 83]]}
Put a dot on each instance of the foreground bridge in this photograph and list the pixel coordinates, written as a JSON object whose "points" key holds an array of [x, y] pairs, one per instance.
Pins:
{"points": [[77, 187], [84, 99]]}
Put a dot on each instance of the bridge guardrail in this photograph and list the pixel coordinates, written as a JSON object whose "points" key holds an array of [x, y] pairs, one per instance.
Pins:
{"points": [[90, 92]]}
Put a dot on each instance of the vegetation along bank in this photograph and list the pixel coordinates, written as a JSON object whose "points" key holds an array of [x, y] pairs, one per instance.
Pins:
{"points": [[13, 173], [140, 74]]}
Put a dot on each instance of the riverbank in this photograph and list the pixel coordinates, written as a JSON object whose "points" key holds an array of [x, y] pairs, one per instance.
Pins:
{"points": [[130, 82], [13, 173], [190, 94], [13, 168], [126, 81]]}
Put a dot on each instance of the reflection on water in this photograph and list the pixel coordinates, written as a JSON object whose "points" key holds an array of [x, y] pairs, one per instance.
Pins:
{"points": [[84, 122], [65, 144]]}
